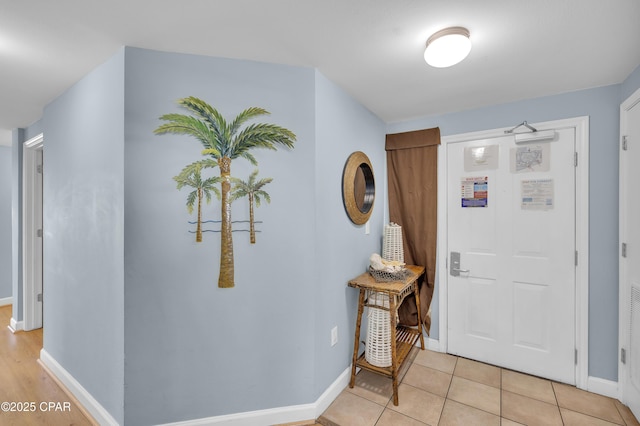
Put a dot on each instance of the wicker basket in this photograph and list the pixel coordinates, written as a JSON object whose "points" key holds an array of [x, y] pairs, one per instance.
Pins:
{"points": [[384, 276], [378, 345]]}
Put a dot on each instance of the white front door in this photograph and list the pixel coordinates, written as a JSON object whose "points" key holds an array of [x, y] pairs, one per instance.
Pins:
{"points": [[629, 368], [511, 218]]}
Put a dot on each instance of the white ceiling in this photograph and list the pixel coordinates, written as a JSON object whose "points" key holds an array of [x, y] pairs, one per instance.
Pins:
{"points": [[372, 48]]}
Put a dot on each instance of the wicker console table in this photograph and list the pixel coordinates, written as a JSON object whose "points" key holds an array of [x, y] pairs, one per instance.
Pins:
{"points": [[402, 338]]}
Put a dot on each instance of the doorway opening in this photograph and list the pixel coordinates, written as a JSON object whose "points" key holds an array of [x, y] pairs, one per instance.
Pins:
{"points": [[32, 233]]}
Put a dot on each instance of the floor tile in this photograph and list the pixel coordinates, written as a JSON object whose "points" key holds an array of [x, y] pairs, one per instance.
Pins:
{"points": [[469, 399], [428, 379], [626, 414], [374, 387], [408, 362], [474, 394], [437, 360], [571, 418], [530, 386], [507, 422], [393, 418], [588, 403], [418, 404], [529, 411], [456, 414], [478, 372], [352, 410]]}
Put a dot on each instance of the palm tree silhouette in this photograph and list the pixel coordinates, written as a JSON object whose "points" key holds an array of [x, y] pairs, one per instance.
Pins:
{"points": [[191, 176], [253, 190], [224, 142]]}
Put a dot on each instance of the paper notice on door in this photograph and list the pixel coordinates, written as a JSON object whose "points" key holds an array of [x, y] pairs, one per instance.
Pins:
{"points": [[530, 158], [478, 158], [475, 191], [537, 194]]}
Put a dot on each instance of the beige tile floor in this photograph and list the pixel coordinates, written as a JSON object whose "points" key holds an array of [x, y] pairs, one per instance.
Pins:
{"points": [[441, 389]]}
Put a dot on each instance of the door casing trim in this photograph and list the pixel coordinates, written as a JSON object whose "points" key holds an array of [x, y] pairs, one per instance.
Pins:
{"points": [[623, 293], [31, 266]]}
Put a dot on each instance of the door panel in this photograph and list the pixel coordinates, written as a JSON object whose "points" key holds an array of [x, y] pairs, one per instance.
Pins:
{"points": [[531, 302], [482, 321], [515, 307]]}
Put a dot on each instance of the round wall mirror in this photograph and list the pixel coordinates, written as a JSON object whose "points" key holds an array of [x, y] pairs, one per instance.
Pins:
{"points": [[358, 188]]}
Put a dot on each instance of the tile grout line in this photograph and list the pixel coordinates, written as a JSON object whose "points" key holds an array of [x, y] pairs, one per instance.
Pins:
{"points": [[555, 396], [446, 397], [501, 386], [619, 412]]}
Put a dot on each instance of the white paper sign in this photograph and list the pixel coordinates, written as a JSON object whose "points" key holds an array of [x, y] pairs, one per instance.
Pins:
{"points": [[478, 158], [474, 192], [530, 158], [537, 194]]}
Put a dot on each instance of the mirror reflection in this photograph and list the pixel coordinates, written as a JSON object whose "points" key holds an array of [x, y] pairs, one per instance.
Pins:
{"points": [[363, 194], [359, 188]]}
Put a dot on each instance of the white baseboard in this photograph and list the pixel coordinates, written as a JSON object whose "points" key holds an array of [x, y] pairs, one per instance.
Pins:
{"points": [[4, 301], [262, 417], [15, 325], [332, 392], [280, 415], [432, 345], [252, 418], [88, 402], [603, 387]]}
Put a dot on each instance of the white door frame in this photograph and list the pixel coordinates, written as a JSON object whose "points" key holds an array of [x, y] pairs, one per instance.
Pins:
{"points": [[624, 294], [581, 125], [31, 256]]}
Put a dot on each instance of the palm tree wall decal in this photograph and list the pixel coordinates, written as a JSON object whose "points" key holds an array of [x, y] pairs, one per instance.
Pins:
{"points": [[224, 142], [191, 176], [253, 190]]}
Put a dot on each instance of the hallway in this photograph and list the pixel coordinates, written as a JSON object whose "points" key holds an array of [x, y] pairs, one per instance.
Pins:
{"points": [[29, 396]]}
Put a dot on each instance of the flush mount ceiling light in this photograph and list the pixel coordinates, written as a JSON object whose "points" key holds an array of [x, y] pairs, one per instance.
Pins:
{"points": [[447, 47]]}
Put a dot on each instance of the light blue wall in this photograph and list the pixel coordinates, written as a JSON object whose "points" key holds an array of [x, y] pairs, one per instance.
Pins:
{"points": [[192, 349], [602, 106], [5, 222], [342, 248], [118, 251], [266, 342], [125, 280], [83, 233]]}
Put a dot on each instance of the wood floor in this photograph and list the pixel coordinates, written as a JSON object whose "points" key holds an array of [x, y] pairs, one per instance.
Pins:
{"points": [[25, 385]]}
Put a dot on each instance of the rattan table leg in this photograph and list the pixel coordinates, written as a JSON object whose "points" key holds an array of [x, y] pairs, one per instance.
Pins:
{"points": [[356, 341], [394, 361], [417, 294]]}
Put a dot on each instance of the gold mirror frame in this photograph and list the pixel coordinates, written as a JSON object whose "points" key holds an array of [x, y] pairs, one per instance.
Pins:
{"points": [[358, 207]]}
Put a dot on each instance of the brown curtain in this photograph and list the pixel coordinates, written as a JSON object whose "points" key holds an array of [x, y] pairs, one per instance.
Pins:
{"points": [[412, 163]]}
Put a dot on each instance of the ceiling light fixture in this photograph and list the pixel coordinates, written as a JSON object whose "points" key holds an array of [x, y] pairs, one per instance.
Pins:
{"points": [[447, 47]]}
